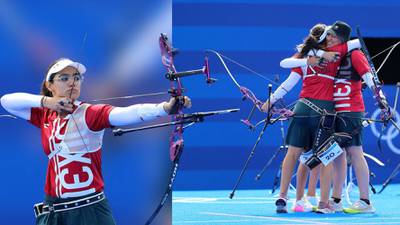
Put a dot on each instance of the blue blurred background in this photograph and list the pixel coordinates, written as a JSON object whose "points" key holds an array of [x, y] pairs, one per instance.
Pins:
{"points": [[260, 33], [118, 43]]}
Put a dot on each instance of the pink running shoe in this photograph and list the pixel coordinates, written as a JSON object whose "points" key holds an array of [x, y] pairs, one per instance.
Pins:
{"points": [[302, 206]]}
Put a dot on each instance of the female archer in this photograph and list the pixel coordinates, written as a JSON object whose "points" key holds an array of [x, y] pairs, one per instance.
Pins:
{"points": [[72, 134], [349, 106], [316, 97]]}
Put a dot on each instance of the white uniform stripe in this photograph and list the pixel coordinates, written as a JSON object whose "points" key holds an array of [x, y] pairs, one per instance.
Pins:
{"points": [[319, 75], [342, 105], [343, 98]]}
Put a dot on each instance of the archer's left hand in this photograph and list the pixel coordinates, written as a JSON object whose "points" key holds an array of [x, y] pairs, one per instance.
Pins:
{"points": [[386, 114], [174, 103], [266, 106]]}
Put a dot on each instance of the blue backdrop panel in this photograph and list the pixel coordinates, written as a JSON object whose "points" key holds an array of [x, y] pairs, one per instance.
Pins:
{"points": [[259, 34], [118, 43]]}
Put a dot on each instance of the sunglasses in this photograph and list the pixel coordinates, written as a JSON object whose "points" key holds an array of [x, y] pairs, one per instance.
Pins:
{"points": [[66, 77]]}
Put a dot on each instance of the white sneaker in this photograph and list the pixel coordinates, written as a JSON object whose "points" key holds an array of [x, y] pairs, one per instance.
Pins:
{"points": [[338, 207], [302, 206], [313, 200], [360, 207], [325, 208]]}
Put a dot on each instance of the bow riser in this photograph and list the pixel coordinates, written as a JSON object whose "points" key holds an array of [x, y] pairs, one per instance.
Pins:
{"points": [[176, 90], [172, 76]]}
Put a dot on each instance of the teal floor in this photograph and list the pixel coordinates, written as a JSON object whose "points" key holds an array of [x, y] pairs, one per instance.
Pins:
{"points": [[257, 207]]}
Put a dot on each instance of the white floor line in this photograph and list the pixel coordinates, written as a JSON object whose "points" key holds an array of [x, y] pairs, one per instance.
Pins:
{"points": [[361, 217], [236, 202], [360, 223], [213, 221], [266, 217], [208, 222], [261, 218], [226, 198]]}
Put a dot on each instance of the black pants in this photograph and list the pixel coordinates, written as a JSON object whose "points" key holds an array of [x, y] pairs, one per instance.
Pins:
{"points": [[95, 214]]}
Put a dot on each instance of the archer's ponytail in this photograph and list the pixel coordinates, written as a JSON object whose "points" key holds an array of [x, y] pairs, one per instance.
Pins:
{"points": [[312, 40]]}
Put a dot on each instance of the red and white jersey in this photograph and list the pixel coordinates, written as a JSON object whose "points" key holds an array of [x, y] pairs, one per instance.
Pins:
{"points": [[347, 94], [318, 81], [72, 174]]}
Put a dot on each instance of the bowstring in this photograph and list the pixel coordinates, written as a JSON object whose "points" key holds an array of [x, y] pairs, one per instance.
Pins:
{"points": [[130, 96], [385, 50], [70, 94], [243, 66], [387, 56]]}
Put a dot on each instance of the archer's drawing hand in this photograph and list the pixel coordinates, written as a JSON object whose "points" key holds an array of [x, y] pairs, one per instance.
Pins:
{"points": [[58, 104]]}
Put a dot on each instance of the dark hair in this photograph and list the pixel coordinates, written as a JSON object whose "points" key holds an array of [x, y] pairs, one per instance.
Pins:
{"points": [[312, 40], [342, 30], [44, 90]]}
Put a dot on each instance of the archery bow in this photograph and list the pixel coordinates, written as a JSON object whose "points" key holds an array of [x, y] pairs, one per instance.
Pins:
{"points": [[382, 103], [176, 90], [377, 84], [246, 92]]}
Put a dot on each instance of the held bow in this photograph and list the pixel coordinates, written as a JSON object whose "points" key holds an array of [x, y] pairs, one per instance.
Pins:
{"points": [[381, 101], [176, 142], [247, 93], [176, 90]]}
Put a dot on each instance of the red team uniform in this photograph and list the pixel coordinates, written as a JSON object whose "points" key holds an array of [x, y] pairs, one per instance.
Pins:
{"points": [[73, 174], [318, 81], [348, 85]]}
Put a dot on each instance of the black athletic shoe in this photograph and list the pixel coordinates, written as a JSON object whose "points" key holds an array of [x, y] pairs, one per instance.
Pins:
{"points": [[281, 205]]}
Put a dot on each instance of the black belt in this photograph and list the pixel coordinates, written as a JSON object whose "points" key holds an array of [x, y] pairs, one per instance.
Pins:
{"points": [[42, 208], [312, 106]]}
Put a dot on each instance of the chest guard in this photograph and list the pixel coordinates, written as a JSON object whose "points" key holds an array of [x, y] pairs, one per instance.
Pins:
{"points": [[78, 138], [346, 69]]}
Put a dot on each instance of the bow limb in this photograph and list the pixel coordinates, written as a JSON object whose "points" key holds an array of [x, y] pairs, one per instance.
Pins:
{"points": [[378, 87], [387, 56], [243, 66], [373, 158], [176, 137], [176, 90], [226, 67], [8, 116], [247, 93]]}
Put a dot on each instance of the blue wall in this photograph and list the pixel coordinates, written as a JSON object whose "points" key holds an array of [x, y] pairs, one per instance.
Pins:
{"points": [[122, 57], [259, 34], [121, 54]]}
